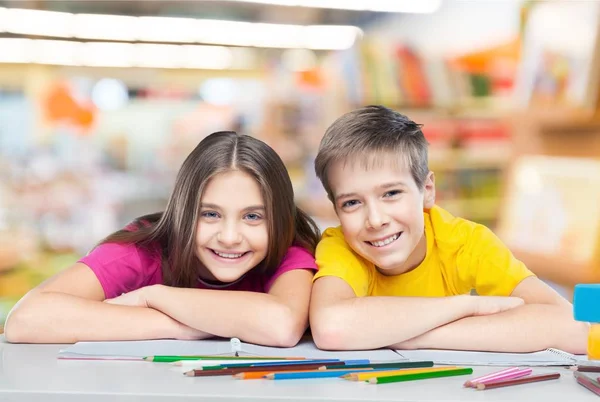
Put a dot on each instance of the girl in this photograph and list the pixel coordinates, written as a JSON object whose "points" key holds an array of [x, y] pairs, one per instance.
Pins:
{"points": [[230, 256]]}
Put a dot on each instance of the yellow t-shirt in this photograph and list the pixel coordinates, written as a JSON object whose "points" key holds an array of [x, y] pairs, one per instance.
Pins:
{"points": [[461, 256]]}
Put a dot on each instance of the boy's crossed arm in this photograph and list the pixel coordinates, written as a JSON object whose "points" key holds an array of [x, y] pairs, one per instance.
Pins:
{"points": [[339, 320], [546, 321]]}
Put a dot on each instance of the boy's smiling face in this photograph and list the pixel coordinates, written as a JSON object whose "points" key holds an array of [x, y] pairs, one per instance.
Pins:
{"points": [[380, 208]]}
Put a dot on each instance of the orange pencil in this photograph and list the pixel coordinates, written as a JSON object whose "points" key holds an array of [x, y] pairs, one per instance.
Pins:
{"points": [[255, 375]]}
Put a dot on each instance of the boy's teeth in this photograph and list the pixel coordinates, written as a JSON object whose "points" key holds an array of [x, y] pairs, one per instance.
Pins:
{"points": [[227, 255], [384, 242]]}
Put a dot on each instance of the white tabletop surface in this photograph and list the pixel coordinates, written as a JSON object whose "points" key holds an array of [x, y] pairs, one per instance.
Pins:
{"points": [[33, 373]]}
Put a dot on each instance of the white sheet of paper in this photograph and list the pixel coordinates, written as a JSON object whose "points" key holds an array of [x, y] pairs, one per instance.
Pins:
{"points": [[138, 349], [549, 357]]}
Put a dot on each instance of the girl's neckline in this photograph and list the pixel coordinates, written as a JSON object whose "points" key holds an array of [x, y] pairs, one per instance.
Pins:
{"points": [[220, 285]]}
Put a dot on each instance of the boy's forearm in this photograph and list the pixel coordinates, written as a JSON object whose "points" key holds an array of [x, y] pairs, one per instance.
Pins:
{"points": [[529, 328], [51, 317], [375, 322], [251, 316]]}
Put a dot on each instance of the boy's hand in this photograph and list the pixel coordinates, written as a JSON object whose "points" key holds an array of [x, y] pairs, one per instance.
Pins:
{"points": [[486, 305]]}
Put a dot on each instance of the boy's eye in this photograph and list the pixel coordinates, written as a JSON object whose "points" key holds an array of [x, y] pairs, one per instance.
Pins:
{"points": [[210, 214], [253, 217], [350, 203]]}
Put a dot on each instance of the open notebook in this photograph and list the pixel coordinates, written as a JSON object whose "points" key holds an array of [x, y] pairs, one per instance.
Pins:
{"points": [[136, 350], [548, 357]]}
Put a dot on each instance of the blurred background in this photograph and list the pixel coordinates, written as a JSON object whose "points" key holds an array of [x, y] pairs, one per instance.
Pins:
{"points": [[100, 102]]}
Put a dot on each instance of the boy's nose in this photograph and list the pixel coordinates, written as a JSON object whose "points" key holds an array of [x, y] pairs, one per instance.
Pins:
{"points": [[376, 219]]}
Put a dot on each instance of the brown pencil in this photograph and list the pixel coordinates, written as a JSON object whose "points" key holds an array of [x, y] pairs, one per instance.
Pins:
{"points": [[588, 369], [518, 381]]}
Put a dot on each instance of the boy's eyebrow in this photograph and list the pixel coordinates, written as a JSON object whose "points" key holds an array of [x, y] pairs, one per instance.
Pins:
{"points": [[386, 185], [393, 184]]}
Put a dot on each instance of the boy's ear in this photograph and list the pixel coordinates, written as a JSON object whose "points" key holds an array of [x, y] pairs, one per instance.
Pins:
{"points": [[429, 191]]}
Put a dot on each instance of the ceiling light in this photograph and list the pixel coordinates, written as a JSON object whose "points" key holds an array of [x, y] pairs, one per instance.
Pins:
{"points": [[390, 6], [175, 30]]}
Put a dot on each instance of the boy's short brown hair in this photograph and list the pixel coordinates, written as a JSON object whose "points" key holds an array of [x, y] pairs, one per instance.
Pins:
{"points": [[369, 132]]}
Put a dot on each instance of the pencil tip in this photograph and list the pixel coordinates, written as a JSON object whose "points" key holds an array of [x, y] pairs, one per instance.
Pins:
{"points": [[270, 376], [373, 381], [189, 373], [480, 387]]}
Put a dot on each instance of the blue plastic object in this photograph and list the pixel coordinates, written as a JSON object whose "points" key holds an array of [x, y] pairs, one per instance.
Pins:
{"points": [[586, 302]]}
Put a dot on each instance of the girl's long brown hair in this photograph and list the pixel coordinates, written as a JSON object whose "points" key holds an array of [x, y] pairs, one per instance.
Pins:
{"points": [[174, 230]]}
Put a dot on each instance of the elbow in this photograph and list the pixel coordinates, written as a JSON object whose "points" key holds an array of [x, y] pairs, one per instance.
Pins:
{"points": [[327, 331], [574, 338], [288, 329], [15, 330]]}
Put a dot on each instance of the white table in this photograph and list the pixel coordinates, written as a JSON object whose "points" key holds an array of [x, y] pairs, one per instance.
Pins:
{"points": [[33, 373]]}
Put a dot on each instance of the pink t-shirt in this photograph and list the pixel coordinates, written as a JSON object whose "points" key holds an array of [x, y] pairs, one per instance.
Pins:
{"points": [[122, 268]]}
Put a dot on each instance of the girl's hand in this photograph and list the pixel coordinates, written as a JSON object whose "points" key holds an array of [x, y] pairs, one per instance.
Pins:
{"points": [[486, 305], [185, 333], [136, 298]]}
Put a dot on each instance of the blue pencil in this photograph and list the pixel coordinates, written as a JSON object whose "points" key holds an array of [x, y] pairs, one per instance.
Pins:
{"points": [[289, 363], [314, 374]]}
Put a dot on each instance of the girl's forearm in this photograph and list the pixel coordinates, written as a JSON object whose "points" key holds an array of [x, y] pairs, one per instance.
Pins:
{"points": [[52, 317], [529, 328], [253, 317]]}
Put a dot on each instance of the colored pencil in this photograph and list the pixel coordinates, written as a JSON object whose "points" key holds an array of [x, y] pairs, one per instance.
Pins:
{"points": [[470, 383], [237, 370], [588, 383], [588, 369], [397, 365], [287, 363], [369, 375], [272, 367], [297, 375], [420, 376], [596, 382], [518, 381], [171, 359], [262, 374], [205, 363], [505, 376]]}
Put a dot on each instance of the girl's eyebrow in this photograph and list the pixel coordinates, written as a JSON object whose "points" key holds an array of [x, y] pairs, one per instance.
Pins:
{"points": [[255, 208], [250, 208]]}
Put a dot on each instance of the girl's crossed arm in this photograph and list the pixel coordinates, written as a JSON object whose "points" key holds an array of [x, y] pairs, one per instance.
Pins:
{"points": [[277, 318], [68, 308]]}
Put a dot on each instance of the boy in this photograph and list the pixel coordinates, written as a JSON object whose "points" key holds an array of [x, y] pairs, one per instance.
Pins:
{"points": [[399, 270]]}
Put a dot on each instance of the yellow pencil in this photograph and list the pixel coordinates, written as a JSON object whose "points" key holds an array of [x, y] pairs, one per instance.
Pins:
{"points": [[369, 375]]}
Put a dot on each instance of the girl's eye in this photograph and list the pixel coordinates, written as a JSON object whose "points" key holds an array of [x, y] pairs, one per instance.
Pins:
{"points": [[392, 193], [210, 214], [350, 203], [253, 217]]}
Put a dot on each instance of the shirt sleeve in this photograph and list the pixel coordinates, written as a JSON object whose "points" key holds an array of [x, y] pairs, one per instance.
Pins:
{"points": [[487, 265], [335, 258], [295, 258], [121, 268]]}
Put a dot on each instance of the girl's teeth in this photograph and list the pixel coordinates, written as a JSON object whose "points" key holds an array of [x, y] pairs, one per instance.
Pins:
{"points": [[385, 241], [226, 255]]}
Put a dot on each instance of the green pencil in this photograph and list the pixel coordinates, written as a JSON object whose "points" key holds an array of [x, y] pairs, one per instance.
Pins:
{"points": [[171, 359], [398, 365], [420, 376]]}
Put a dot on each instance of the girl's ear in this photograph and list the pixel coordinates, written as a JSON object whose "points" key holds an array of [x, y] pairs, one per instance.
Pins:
{"points": [[429, 191]]}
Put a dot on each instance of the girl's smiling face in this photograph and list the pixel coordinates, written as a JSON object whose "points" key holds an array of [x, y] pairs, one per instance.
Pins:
{"points": [[232, 232]]}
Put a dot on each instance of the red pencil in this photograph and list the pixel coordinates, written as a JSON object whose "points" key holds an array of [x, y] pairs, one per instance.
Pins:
{"points": [[518, 381], [587, 382], [588, 369]]}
